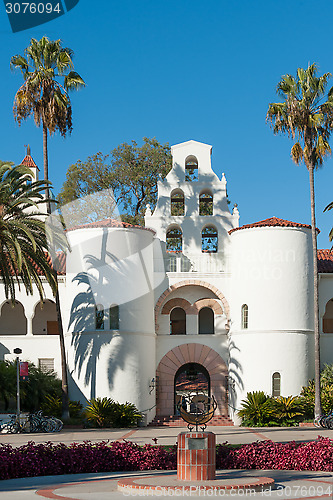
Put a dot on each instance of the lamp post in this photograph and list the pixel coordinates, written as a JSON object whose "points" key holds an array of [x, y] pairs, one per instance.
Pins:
{"points": [[17, 351]]}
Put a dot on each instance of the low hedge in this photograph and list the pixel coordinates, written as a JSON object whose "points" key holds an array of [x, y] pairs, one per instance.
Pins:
{"points": [[54, 459]]}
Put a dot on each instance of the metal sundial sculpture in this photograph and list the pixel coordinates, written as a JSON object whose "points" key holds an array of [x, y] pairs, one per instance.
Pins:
{"points": [[202, 409]]}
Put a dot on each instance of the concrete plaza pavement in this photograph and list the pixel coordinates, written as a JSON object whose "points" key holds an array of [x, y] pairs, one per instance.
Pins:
{"points": [[168, 435], [289, 484]]}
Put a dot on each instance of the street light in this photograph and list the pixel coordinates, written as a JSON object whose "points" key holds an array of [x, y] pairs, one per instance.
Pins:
{"points": [[17, 351]]}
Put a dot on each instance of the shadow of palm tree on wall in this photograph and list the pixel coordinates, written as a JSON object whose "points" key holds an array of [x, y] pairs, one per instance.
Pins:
{"points": [[107, 280], [88, 344], [235, 374]]}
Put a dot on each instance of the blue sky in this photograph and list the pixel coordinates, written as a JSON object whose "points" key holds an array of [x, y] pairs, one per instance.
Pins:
{"points": [[181, 70]]}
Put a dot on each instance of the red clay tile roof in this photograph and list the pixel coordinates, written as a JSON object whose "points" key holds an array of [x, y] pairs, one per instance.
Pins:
{"points": [[272, 222], [109, 223], [60, 263], [29, 162], [325, 261]]}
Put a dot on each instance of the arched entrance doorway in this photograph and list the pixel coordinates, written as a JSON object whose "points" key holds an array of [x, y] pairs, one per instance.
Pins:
{"points": [[172, 363], [190, 379]]}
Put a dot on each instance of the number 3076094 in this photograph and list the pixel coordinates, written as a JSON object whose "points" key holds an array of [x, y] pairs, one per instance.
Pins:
{"points": [[32, 8]]}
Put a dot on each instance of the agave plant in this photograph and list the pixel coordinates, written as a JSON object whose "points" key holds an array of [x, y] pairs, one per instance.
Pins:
{"points": [[100, 412], [286, 409], [126, 415], [256, 410]]}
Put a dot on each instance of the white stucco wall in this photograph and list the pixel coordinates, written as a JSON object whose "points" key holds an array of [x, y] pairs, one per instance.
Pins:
{"points": [[111, 266], [271, 273]]}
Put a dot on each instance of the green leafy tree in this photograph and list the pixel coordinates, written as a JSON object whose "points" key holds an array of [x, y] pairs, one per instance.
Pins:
{"points": [[7, 382], [306, 116], [33, 391], [329, 207], [47, 69], [130, 171], [38, 387], [22, 233]]}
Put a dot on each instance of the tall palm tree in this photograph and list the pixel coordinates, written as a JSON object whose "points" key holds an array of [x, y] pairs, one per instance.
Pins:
{"points": [[306, 116], [22, 233], [43, 96]]}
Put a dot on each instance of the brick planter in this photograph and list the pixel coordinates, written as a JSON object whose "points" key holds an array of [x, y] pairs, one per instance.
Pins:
{"points": [[196, 456]]}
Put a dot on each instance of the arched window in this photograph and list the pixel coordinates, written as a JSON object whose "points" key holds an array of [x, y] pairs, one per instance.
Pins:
{"points": [[45, 319], [206, 203], [174, 239], [209, 240], [191, 169], [114, 317], [99, 317], [245, 316], [276, 384], [328, 318], [206, 320], [178, 321], [12, 319], [177, 202]]}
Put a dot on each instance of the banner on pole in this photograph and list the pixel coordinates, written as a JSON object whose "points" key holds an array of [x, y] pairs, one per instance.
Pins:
{"points": [[24, 370]]}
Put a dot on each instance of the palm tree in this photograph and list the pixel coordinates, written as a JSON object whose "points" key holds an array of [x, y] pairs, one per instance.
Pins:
{"points": [[44, 97], [41, 94], [22, 233], [306, 116]]}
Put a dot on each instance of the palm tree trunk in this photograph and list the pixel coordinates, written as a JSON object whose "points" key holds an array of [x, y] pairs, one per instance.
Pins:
{"points": [[64, 377], [46, 166], [318, 408]]}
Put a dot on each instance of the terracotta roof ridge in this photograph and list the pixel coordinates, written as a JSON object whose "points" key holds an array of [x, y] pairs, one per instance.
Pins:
{"points": [[325, 260], [272, 222], [28, 161], [109, 223]]}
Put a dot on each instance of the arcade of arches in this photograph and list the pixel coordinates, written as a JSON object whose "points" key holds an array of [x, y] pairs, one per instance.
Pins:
{"points": [[41, 321], [206, 361]]}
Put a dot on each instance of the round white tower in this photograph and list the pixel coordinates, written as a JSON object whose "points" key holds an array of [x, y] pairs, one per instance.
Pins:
{"points": [[110, 312], [271, 308]]}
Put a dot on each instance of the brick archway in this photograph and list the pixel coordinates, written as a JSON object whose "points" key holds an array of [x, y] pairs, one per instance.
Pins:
{"points": [[181, 284], [191, 353]]}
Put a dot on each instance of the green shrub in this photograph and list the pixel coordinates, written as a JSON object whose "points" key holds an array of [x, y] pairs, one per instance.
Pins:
{"points": [[107, 413], [326, 376], [52, 406], [125, 415], [256, 409], [307, 398], [99, 412], [287, 410]]}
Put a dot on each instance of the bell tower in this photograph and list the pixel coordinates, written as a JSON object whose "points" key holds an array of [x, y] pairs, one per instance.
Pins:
{"points": [[29, 162], [192, 216]]}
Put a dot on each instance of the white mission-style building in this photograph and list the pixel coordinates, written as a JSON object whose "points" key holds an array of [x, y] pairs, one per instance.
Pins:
{"points": [[190, 302]]}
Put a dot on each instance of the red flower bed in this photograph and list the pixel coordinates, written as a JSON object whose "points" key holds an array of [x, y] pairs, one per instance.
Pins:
{"points": [[315, 455], [53, 459], [49, 459]]}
